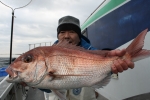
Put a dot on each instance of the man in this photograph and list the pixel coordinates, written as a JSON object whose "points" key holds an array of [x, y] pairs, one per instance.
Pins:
{"points": [[69, 30]]}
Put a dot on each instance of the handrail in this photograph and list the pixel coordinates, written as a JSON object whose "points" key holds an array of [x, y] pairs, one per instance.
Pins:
{"points": [[5, 88], [4, 79]]}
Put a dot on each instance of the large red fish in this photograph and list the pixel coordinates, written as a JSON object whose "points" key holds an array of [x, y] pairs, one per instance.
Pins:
{"points": [[65, 66]]}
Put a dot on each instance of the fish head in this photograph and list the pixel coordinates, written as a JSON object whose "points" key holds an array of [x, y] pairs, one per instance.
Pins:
{"points": [[28, 68]]}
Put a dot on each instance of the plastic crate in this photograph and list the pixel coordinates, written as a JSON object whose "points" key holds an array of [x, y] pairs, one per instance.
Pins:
{"points": [[3, 72]]}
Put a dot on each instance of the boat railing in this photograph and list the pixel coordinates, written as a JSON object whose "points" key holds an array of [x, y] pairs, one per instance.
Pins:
{"points": [[31, 46], [10, 91], [15, 91]]}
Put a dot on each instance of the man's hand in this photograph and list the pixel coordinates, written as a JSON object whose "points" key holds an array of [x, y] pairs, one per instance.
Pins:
{"points": [[119, 64]]}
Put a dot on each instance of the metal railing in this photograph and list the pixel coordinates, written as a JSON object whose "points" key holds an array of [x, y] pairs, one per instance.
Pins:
{"points": [[11, 91], [31, 46]]}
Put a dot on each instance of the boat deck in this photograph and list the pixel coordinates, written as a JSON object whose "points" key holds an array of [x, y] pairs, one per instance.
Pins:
{"points": [[35, 94], [5, 87]]}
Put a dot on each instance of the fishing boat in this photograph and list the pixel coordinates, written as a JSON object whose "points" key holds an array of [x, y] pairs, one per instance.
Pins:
{"points": [[112, 25]]}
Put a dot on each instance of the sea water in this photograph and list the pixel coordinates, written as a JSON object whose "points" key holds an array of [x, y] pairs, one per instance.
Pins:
{"points": [[4, 63]]}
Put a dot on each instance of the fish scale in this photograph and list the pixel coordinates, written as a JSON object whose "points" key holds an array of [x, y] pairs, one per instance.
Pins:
{"points": [[87, 72]]}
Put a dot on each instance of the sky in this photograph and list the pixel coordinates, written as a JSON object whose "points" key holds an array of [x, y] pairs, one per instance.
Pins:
{"points": [[37, 22]]}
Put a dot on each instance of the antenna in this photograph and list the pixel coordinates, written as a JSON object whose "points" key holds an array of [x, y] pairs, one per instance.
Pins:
{"points": [[12, 23]]}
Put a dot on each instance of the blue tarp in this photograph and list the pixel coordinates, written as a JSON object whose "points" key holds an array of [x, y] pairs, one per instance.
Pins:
{"points": [[3, 72]]}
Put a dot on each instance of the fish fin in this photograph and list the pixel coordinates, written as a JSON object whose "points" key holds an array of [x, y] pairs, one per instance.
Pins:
{"points": [[60, 95], [103, 53], [66, 44], [103, 83], [135, 50], [141, 55]]}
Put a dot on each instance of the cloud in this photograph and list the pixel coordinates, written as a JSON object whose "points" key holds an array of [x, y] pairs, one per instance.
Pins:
{"points": [[38, 21]]}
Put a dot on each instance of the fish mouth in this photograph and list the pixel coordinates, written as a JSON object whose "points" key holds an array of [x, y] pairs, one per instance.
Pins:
{"points": [[12, 80], [12, 74]]}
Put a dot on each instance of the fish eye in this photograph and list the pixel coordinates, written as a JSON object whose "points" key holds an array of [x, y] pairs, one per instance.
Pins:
{"points": [[27, 59]]}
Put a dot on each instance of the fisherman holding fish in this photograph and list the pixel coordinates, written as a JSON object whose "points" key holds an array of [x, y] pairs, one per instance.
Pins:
{"points": [[72, 69], [69, 29]]}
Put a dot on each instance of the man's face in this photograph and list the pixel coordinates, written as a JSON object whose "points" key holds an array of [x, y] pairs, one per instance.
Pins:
{"points": [[70, 36]]}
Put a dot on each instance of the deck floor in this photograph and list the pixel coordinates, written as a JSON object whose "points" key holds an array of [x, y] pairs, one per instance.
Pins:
{"points": [[35, 94]]}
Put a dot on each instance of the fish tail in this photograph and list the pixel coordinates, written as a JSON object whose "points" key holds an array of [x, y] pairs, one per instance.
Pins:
{"points": [[135, 51]]}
